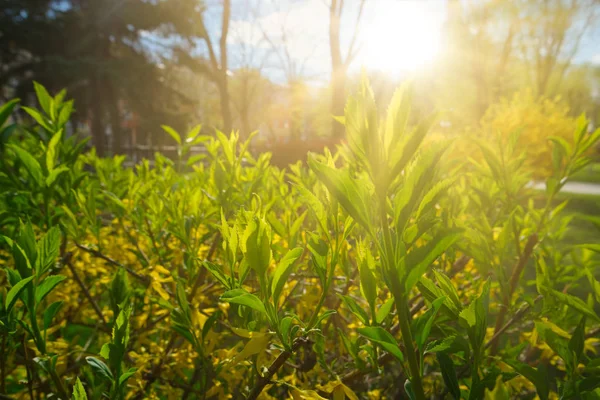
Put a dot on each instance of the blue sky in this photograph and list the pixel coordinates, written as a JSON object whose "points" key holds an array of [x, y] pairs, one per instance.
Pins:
{"points": [[395, 36]]}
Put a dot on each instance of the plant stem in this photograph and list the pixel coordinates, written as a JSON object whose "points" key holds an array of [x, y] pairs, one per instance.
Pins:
{"points": [[3, 365], [411, 354], [514, 280], [274, 367], [401, 301]]}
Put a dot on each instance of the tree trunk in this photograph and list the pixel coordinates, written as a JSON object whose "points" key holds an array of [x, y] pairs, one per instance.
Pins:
{"points": [[98, 129], [338, 97], [225, 104], [338, 69], [115, 121]]}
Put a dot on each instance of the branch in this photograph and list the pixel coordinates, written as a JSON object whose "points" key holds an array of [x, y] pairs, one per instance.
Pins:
{"points": [[85, 290], [274, 367], [113, 262]]}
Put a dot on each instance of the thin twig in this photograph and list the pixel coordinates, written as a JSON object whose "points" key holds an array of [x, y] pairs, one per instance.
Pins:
{"points": [[113, 262], [514, 281], [274, 367], [85, 290]]}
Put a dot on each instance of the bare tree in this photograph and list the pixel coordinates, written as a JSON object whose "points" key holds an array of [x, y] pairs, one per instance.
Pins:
{"points": [[339, 64], [216, 68], [552, 36]]}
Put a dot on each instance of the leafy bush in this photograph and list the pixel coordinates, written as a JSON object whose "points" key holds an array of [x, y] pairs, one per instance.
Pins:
{"points": [[539, 120], [379, 271]]}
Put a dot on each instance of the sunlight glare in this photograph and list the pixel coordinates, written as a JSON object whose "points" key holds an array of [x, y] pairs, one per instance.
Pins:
{"points": [[401, 36]]}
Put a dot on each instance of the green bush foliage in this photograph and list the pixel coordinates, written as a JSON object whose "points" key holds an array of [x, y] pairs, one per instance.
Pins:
{"points": [[385, 269]]}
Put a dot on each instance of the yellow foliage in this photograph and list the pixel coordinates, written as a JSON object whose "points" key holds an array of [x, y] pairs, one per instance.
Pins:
{"points": [[536, 119]]}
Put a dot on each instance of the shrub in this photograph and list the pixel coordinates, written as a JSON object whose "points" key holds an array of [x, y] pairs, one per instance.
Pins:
{"points": [[375, 272]]}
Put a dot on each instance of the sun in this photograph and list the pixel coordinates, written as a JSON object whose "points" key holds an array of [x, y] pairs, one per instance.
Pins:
{"points": [[401, 36]]}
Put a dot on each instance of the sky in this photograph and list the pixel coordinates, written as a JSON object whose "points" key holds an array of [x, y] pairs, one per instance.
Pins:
{"points": [[396, 37]]}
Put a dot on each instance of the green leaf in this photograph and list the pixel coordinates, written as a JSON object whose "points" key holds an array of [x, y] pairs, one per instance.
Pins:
{"points": [[51, 151], [14, 292], [78, 391], [191, 135], [43, 97], [355, 309], [380, 336], [100, 368], [126, 375], [283, 271], [449, 374], [215, 270], [352, 196], [448, 288], [48, 248], [240, 296], [65, 113], [227, 146], [368, 286], [258, 246], [39, 118], [535, 376], [440, 345], [418, 260], [574, 302], [576, 344], [46, 286], [50, 312], [6, 110], [423, 334], [30, 163], [173, 133], [407, 148], [384, 310]]}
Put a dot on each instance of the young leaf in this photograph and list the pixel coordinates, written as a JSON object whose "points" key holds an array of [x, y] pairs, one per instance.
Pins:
{"points": [[355, 309], [6, 109], [420, 259], [100, 368], [47, 285], [352, 196], [43, 97], [384, 310], [51, 150], [172, 132], [30, 163], [78, 391], [14, 292], [47, 249], [126, 375], [378, 335], [240, 296], [575, 303], [283, 271], [50, 312]]}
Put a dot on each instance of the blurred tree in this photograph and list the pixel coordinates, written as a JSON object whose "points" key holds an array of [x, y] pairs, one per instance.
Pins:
{"points": [[339, 63], [214, 63], [98, 50], [551, 35]]}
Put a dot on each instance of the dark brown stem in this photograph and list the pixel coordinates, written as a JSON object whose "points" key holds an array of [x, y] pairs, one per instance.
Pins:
{"points": [[85, 290], [518, 315], [113, 262], [199, 278], [274, 367], [514, 281]]}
